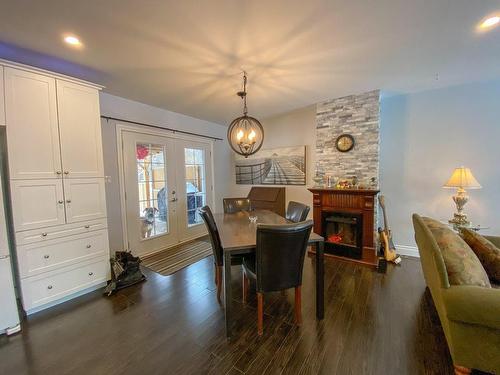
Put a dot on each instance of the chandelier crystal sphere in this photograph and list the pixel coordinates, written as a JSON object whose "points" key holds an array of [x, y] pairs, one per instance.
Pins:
{"points": [[245, 134]]}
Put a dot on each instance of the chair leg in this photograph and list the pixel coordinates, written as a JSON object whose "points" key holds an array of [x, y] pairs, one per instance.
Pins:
{"points": [[245, 287], [298, 305], [260, 313], [218, 278], [460, 370]]}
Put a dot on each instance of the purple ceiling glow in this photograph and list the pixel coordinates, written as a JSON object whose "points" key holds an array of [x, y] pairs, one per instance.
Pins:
{"points": [[29, 57]]}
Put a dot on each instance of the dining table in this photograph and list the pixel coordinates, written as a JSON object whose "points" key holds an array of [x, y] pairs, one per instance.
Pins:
{"points": [[238, 235]]}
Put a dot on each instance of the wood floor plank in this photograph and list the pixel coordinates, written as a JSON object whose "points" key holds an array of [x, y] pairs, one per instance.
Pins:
{"points": [[374, 324]]}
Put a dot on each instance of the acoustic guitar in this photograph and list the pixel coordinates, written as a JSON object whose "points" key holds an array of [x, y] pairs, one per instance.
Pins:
{"points": [[389, 249]]}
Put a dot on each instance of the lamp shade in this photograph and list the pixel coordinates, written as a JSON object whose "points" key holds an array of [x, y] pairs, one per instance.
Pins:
{"points": [[462, 178]]}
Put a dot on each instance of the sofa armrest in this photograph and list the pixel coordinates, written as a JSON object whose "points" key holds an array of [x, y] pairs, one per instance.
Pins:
{"points": [[473, 305], [494, 240]]}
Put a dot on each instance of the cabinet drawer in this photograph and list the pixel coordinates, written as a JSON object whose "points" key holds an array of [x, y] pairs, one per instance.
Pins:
{"points": [[37, 258], [49, 287], [46, 234]]}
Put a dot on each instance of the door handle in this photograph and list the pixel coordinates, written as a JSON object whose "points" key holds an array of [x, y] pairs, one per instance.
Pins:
{"points": [[173, 200], [66, 172], [58, 172], [60, 202], [68, 200]]}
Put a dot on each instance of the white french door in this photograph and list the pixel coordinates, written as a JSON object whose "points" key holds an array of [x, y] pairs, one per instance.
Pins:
{"points": [[165, 181]]}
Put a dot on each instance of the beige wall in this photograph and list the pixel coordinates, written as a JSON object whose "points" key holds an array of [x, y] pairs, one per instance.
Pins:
{"points": [[295, 128]]}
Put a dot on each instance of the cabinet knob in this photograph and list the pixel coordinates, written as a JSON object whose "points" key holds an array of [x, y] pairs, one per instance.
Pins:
{"points": [[91, 273], [58, 172], [46, 256], [49, 287], [44, 234], [60, 202], [68, 200], [66, 172], [89, 246], [87, 226]]}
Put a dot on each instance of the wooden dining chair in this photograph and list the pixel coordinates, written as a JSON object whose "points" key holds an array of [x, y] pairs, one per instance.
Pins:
{"points": [[233, 205], [213, 233], [277, 264], [296, 212]]}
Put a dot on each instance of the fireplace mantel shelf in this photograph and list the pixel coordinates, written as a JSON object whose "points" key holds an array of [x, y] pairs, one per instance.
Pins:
{"points": [[348, 201], [344, 191]]}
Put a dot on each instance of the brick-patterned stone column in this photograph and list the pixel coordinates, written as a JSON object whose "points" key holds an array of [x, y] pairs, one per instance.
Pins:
{"points": [[357, 115]]}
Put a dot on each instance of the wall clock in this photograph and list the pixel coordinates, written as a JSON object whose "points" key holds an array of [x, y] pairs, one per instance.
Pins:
{"points": [[344, 142]]}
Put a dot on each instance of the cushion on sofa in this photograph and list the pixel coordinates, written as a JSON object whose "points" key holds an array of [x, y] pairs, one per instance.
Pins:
{"points": [[462, 265], [488, 254]]}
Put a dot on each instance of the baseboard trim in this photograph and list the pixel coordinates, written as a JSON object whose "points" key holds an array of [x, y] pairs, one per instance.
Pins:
{"points": [[410, 251]]}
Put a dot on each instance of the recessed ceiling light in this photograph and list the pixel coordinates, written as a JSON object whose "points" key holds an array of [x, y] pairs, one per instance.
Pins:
{"points": [[72, 40], [489, 22]]}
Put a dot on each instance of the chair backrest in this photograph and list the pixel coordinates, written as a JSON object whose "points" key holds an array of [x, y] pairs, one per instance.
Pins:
{"points": [[208, 218], [232, 205], [280, 255], [297, 212]]}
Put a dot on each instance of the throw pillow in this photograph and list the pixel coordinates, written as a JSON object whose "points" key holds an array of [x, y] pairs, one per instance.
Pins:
{"points": [[462, 265], [488, 254]]}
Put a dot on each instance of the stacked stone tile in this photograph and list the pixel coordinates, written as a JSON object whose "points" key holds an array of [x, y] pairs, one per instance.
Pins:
{"points": [[357, 115]]}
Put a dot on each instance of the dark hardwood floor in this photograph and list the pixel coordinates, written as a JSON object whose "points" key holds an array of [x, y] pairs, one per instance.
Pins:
{"points": [[374, 324]]}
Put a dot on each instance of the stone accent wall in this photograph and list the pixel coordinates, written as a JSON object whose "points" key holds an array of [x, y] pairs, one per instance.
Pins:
{"points": [[357, 115]]}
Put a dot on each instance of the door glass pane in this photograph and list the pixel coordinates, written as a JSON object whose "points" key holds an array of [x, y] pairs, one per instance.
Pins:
{"points": [[151, 183], [195, 183]]}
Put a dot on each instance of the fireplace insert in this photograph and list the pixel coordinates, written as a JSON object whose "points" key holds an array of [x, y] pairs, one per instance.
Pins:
{"points": [[343, 234]]}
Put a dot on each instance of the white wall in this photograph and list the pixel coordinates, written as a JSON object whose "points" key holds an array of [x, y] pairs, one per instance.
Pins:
{"points": [[114, 106], [424, 136], [295, 128]]}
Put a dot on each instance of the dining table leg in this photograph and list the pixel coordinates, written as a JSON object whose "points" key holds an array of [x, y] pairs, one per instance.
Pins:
{"points": [[320, 281], [227, 292]]}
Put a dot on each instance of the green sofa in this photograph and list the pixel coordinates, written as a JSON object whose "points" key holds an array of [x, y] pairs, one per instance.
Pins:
{"points": [[470, 315]]}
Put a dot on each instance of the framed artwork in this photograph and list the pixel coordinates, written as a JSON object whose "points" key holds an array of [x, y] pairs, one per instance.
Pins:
{"points": [[276, 166]]}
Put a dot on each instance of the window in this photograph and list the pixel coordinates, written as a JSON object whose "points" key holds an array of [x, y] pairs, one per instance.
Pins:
{"points": [[195, 183], [151, 180]]}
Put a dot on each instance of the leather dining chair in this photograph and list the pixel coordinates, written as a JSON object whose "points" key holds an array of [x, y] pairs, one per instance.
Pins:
{"points": [[233, 205], [277, 264], [208, 218], [296, 212]]}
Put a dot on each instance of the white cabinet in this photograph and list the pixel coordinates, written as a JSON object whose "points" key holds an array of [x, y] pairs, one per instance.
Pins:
{"points": [[80, 130], [85, 199], [56, 182], [37, 203], [32, 126], [2, 98]]}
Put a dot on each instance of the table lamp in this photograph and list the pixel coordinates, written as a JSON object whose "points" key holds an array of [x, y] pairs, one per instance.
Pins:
{"points": [[461, 179]]}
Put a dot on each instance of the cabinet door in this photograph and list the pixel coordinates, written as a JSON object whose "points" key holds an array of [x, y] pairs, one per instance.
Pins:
{"points": [[32, 130], [37, 203], [80, 129], [85, 199], [2, 99]]}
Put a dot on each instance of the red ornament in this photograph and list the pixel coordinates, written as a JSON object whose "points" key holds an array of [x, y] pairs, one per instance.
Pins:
{"points": [[142, 152]]}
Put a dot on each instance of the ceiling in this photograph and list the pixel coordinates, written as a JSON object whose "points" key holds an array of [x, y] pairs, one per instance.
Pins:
{"points": [[187, 56]]}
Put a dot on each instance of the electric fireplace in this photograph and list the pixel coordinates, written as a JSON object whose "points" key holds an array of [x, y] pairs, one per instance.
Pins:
{"points": [[346, 220], [343, 234]]}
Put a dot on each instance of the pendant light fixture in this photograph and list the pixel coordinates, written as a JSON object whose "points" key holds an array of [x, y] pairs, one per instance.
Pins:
{"points": [[245, 133]]}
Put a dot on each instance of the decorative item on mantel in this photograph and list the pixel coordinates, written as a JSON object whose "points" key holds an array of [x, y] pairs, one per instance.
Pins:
{"points": [[460, 179], [245, 133]]}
